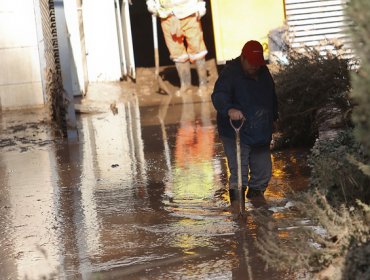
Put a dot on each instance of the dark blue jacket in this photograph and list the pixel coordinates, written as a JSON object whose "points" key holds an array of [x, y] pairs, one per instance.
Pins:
{"points": [[255, 98]]}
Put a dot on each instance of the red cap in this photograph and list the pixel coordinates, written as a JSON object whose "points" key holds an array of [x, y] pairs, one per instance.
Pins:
{"points": [[253, 53]]}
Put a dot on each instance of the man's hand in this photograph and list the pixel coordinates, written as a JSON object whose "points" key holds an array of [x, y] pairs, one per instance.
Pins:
{"points": [[152, 7], [235, 115]]}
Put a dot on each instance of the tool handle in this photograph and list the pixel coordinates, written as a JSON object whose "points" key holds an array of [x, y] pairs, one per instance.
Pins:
{"points": [[155, 42], [237, 129], [239, 164]]}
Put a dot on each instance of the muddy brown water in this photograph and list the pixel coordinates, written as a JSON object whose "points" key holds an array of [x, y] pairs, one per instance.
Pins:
{"points": [[141, 195]]}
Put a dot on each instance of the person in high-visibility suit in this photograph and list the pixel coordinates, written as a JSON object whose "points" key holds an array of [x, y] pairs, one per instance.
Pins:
{"points": [[180, 22]]}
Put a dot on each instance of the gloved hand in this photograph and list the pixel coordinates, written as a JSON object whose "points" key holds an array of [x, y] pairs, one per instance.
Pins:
{"points": [[201, 9], [152, 7]]}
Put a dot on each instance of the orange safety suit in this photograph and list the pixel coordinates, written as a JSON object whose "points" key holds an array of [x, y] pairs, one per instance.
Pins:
{"points": [[180, 21]]}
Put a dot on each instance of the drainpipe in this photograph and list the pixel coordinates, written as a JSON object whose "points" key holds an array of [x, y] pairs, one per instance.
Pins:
{"points": [[65, 55]]}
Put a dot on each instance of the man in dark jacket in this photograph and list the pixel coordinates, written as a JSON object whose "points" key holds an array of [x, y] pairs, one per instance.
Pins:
{"points": [[245, 91]]}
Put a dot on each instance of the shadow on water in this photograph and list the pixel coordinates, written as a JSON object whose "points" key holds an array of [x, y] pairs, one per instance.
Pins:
{"points": [[141, 196]]}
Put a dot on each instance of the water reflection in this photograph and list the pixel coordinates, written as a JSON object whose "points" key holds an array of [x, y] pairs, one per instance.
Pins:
{"points": [[27, 213], [70, 216], [290, 173], [194, 150], [135, 199]]}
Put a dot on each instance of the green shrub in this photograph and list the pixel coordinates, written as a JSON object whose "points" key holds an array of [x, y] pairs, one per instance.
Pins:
{"points": [[357, 260], [359, 12], [357, 263], [309, 82]]}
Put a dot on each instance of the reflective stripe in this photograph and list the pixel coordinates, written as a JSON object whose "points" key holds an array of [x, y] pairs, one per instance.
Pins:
{"points": [[198, 55], [181, 58]]}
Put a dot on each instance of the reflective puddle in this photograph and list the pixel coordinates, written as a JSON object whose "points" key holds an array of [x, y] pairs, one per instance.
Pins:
{"points": [[141, 196]]}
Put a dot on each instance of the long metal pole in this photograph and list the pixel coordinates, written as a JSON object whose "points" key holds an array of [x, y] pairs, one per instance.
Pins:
{"points": [[161, 85], [239, 163], [155, 42]]}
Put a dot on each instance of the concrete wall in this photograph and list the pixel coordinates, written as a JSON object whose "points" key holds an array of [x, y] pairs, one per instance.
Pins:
{"points": [[20, 79]]}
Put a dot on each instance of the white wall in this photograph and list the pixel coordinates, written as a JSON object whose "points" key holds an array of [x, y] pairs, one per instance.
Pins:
{"points": [[72, 20], [20, 79], [103, 59]]}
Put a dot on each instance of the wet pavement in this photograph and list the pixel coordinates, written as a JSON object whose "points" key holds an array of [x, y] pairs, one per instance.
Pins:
{"points": [[140, 196]]}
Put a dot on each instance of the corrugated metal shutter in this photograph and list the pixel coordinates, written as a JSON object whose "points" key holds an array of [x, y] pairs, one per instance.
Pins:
{"points": [[50, 34], [314, 23]]}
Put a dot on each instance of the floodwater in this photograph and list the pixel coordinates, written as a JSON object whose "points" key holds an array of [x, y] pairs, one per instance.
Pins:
{"points": [[141, 195]]}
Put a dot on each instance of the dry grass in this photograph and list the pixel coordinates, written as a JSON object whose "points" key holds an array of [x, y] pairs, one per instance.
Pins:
{"points": [[314, 247]]}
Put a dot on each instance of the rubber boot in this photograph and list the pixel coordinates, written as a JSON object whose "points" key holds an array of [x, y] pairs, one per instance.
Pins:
{"points": [[202, 76], [183, 70], [235, 201], [256, 198]]}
